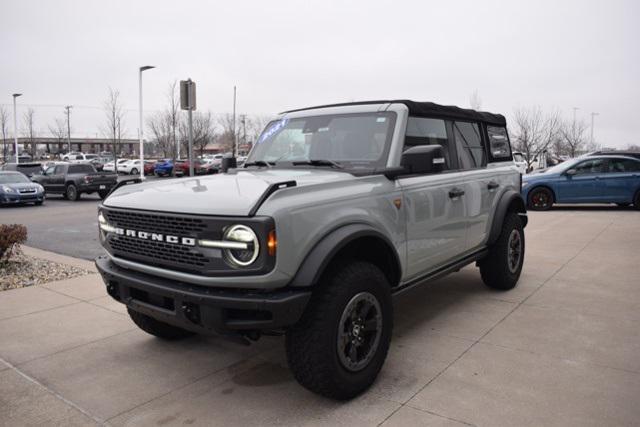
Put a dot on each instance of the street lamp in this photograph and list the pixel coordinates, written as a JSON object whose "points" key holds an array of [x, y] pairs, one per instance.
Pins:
{"points": [[144, 68], [15, 127]]}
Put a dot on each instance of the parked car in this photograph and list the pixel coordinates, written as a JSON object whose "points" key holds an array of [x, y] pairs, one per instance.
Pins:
{"points": [[110, 166], [521, 163], [99, 162], [72, 180], [182, 167], [83, 158], [28, 169], [591, 179], [70, 155], [149, 166], [132, 167], [337, 209], [163, 167], [16, 188], [216, 159]]}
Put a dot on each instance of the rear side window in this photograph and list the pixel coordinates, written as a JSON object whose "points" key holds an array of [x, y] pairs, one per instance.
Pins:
{"points": [[589, 166], [623, 165], [59, 170], [423, 131], [471, 152], [499, 142], [81, 169]]}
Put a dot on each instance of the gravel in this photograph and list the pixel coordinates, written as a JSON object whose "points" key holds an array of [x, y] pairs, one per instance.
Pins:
{"points": [[23, 270]]}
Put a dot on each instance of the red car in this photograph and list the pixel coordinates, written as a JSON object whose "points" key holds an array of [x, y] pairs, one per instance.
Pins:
{"points": [[182, 167], [149, 166]]}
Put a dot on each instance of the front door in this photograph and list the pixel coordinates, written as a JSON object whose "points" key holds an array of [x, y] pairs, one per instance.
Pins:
{"points": [[585, 186], [56, 181]]}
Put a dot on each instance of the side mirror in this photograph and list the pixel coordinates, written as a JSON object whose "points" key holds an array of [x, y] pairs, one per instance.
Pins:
{"points": [[228, 162], [423, 159], [571, 172]]}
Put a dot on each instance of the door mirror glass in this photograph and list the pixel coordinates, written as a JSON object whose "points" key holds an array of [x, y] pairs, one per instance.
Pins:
{"points": [[423, 159], [571, 172]]}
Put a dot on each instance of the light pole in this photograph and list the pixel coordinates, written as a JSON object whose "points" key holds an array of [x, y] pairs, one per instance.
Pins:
{"points": [[15, 127], [68, 108], [235, 144], [592, 116], [144, 68]]}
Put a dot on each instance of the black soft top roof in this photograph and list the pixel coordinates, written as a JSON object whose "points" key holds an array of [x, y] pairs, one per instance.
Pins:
{"points": [[428, 109]]}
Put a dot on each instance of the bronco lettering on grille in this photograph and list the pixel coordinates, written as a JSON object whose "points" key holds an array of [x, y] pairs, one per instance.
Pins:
{"points": [[186, 241]]}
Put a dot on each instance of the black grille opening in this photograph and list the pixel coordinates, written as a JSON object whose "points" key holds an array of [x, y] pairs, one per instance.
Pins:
{"points": [[158, 251], [156, 223]]}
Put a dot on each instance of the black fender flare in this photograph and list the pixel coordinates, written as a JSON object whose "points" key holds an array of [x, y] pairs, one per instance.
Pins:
{"points": [[321, 255], [509, 198]]}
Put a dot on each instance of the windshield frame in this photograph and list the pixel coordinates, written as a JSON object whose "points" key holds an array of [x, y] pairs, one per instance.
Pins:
{"points": [[349, 165]]}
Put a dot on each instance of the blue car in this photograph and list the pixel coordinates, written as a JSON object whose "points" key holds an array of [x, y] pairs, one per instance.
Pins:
{"points": [[16, 188], [163, 168], [594, 179]]}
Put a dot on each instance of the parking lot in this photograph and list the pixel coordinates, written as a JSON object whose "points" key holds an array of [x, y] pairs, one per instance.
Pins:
{"points": [[560, 349]]}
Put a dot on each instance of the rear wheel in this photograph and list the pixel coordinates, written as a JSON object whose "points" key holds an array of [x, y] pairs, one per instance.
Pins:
{"points": [[502, 266], [72, 193], [156, 327], [341, 342], [540, 199], [134, 171]]}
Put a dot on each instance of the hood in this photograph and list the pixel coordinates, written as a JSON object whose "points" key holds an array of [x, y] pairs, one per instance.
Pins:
{"points": [[222, 194]]}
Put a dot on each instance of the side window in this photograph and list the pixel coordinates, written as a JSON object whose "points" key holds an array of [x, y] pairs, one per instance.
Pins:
{"points": [[50, 170], [59, 170], [423, 131], [589, 166], [471, 153], [499, 142], [623, 165]]}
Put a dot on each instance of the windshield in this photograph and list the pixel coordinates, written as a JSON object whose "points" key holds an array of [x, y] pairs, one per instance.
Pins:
{"points": [[356, 141], [13, 178], [518, 157]]}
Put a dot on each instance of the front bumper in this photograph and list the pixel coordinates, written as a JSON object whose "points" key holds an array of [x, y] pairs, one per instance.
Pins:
{"points": [[200, 309], [16, 198]]}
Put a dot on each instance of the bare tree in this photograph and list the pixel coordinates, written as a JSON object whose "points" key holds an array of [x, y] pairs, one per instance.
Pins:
{"points": [[574, 136], [29, 130], [59, 131], [203, 131], [114, 115], [475, 101], [4, 129], [535, 132], [227, 138], [160, 127]]}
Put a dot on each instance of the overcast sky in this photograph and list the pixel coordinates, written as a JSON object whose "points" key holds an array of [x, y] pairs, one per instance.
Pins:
{"points": [[286, 54]]}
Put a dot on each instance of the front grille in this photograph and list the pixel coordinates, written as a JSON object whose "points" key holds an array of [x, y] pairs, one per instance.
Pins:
{"points": [[158, 253], [156, 223], [27, 190]]}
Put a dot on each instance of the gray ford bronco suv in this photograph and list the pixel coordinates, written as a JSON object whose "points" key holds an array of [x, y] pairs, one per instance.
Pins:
{"points": [[337, 209]]}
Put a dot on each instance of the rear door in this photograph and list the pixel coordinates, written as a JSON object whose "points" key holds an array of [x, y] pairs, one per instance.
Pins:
{"points": [[621, 179], [435, 203]]}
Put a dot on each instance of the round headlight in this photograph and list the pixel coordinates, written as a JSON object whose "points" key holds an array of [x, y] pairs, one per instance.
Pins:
{"points": [[242, 234]]}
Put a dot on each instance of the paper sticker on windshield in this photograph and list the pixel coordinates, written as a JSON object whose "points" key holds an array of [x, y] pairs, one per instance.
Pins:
{"points": [[273, 130], [381, 119]]}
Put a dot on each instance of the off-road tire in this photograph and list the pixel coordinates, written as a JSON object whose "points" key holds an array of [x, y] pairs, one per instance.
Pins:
{"points": [[103, 194], [494, 268], [540, 192], [158, 328], [71, 193], [312, 343]]}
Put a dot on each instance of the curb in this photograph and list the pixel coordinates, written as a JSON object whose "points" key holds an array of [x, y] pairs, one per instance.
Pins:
{"points": [[62, 259]]}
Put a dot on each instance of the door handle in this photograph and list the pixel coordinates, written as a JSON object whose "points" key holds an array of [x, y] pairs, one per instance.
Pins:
{"points": [[492, 185], [455, 193]]}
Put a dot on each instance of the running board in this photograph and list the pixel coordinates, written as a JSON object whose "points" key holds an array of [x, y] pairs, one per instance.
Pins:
{"points": [[441, 272]]}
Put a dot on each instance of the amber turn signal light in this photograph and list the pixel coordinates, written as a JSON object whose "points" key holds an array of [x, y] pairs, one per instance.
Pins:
{"points": [[272, 243]]}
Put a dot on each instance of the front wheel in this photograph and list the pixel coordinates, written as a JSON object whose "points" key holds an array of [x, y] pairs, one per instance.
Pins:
{"points": [[540, 199], [502, 266], [340, 344], [134, 171]]}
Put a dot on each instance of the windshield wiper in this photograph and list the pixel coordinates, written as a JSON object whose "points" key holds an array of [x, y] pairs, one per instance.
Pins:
{"points": [[259, 163], [319, 162]]}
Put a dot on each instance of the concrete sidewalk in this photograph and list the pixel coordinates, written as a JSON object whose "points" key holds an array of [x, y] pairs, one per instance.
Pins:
{"points": [[561, 349]]}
